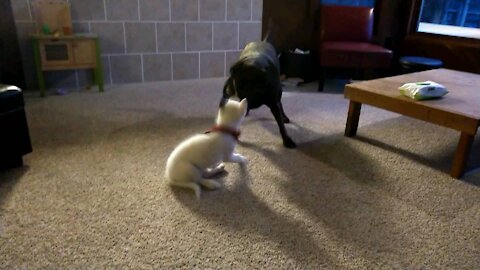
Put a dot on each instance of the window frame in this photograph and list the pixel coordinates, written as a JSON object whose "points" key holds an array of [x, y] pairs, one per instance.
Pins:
{"points": [[414, 23]]}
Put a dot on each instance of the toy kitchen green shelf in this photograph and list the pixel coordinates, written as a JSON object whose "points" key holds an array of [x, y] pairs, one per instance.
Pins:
{"points": [[62, 52]]}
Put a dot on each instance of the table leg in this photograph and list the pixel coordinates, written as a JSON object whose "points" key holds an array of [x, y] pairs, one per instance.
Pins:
{"points": [[461, 155], [352, 119]]}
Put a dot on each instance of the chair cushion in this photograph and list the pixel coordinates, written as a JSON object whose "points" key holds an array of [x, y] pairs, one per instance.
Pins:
{"points": [[354, 55]]}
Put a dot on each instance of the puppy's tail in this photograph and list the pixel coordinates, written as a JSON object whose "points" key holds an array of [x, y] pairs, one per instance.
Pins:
{"points": [[191, 185]]}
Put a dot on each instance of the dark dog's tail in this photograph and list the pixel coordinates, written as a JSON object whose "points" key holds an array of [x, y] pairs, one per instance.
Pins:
{"points": [[269, 35], [272, 35]]}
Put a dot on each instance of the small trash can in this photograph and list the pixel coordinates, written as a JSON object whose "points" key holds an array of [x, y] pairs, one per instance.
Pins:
{"points": [[409, 64], [298, 64]]}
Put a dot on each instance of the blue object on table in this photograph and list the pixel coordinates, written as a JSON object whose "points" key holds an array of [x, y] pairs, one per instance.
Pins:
{"points": [[411, 64]]}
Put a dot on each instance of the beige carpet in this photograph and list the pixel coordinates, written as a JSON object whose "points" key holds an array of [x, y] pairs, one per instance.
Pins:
{"points": [[92, 195]]}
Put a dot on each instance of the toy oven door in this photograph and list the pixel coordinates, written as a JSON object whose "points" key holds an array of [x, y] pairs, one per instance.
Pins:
{"points": [[56, 54]]}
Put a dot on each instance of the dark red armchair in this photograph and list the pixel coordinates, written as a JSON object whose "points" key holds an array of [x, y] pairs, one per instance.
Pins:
{"points": [[345, 41]]}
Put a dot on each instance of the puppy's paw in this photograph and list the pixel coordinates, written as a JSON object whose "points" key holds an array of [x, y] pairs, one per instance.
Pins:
{"points": [[243, 160], [289, 143], [211, 172], [286, 120], [237, 158]]}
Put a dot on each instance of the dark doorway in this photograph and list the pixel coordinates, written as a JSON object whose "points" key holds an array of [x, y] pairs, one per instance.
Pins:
{"points": [[11, 69]]}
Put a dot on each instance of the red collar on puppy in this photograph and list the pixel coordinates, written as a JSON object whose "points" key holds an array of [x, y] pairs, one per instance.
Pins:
{"points": [[227, 130]]}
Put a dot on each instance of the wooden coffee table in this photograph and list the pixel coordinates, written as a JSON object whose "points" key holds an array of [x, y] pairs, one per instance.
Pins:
{"points": [[459, 109]]}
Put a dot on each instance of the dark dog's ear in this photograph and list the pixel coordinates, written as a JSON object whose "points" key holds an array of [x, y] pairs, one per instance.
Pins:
{"points": [[223, 101], [226, 86], [236, 68], [225, 96], [229, 89]]}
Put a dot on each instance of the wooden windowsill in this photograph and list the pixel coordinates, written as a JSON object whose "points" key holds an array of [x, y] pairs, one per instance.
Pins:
{"points": [[449, 30]]}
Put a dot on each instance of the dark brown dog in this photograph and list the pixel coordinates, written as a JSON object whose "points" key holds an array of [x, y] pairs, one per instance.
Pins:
{"points": [[256, 77]]}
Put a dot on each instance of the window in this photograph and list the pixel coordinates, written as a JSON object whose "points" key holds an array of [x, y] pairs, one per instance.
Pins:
{"points": [[450, 17]]}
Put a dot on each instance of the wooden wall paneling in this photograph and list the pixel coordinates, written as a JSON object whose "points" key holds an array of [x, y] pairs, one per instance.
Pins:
{"points": [[456, 53], [396, 26], [396, 19], [294, 22]]}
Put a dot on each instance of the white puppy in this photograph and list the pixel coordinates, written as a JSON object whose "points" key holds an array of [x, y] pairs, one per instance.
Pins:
{"points": [[201, 156]]}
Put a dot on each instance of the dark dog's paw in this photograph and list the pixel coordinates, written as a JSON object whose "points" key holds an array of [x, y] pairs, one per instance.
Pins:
{"points": [[289, 143], [286, 120]]}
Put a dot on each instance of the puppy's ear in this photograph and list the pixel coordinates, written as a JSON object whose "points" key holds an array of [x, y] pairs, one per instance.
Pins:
{"points": [[244, 105]]}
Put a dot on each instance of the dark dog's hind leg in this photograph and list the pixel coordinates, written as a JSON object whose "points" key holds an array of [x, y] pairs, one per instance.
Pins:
{"points": [[280, 105], [286, 120], [277, 113]]}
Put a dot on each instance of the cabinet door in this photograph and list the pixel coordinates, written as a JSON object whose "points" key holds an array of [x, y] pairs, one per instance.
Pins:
{"points": [[84, 52]]}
